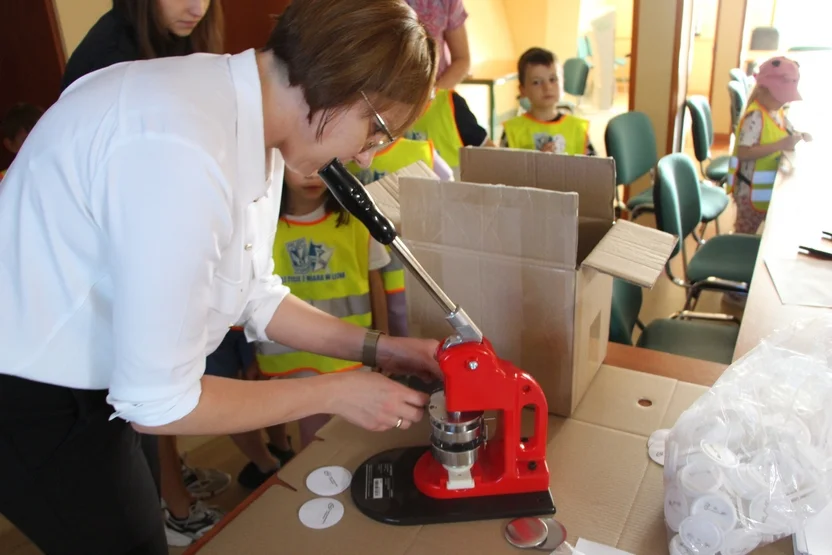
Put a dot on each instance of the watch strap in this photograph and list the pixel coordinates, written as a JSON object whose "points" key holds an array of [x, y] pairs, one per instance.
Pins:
{"points": [[370, 348]]}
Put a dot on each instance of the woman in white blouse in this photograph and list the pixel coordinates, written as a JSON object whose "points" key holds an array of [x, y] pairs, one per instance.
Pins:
{"points": [[136, 226]]}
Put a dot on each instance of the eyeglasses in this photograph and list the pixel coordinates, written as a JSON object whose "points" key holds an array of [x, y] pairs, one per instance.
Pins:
{"points": [[377, 145]]}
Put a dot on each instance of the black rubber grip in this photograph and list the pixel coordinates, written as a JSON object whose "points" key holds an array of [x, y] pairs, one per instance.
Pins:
{"points": [[350, 193]]}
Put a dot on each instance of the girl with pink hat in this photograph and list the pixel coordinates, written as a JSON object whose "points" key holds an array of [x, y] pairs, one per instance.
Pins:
{"points": [[763, 134]]}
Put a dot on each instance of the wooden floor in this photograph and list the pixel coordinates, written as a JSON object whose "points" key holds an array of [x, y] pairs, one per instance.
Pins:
{"points": [[219, 452]]}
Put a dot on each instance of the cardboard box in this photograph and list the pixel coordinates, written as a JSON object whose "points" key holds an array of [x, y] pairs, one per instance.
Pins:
{"points": [[605, 487], [385, 191], [527, 245]]}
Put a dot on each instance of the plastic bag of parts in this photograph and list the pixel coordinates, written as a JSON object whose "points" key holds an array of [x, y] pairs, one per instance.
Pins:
{"points": [[751, 460]]}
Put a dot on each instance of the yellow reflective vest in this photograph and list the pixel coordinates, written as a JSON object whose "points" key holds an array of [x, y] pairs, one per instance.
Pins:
{"points": [[438, 125], [328, 267], [569, 133], [765, 169], [396, 156]]}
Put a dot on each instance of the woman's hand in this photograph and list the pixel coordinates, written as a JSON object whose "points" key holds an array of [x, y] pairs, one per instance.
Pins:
{"points": [[374, 402], [405, 355], [806, 137]]}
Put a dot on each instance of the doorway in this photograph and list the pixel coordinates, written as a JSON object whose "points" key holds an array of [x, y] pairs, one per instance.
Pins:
{"points": [[40, 47]]}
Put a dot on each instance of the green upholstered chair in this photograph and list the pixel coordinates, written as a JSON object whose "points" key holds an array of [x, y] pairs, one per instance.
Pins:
{"points": [[575, 74], [726, 262], [739, 97], [691, 334], [714, 199], [630, 140]]}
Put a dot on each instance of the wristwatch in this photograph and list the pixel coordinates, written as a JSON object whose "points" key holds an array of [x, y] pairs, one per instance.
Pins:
{"points": [[370, 350]]}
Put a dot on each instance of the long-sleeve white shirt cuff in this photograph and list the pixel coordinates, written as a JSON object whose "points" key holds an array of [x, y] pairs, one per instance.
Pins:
{"points": [[261, 307], [160, 412]]}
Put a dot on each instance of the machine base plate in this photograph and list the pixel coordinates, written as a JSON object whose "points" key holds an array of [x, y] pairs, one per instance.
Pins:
{"points": [[382, 488]]}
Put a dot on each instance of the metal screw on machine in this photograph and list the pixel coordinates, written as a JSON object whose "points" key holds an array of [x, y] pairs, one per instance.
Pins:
{"points": [[473, 365]]}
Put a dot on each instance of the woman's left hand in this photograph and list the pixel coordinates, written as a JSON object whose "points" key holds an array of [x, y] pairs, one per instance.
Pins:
{"points": [[407, 355]]}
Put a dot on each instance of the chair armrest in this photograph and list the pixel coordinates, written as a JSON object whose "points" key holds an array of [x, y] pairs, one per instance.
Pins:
{"points": [[711, 316]]}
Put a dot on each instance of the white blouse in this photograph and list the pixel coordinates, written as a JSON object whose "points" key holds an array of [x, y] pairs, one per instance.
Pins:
{"points": [[136, 226]]}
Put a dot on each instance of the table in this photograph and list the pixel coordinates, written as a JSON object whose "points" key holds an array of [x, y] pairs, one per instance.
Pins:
{"points": [[801, 207], [642, 522]]}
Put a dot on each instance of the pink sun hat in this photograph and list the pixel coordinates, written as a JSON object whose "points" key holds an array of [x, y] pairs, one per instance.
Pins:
{"points": [[780, 76]]}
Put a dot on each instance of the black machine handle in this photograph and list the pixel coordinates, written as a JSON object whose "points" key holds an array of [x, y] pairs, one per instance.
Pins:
{"points": [[352, 195]]}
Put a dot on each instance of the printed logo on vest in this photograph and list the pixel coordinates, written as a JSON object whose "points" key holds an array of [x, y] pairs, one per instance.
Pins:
{"points": [[310, 260], [415, 135], [542, 140]]}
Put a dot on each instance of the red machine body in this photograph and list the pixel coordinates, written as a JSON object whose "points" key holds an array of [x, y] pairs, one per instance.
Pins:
{"points": [[477, 380]]}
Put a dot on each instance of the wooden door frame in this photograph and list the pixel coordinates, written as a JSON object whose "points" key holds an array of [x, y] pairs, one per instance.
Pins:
{"points": [[673, 106], [631, 101]]}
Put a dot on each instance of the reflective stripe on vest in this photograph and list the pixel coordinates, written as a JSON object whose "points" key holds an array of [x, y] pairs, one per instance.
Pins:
{"points": [[393, 274], [400, 154], [438, 125], [569, 133], [327, 266], [765, 169]]}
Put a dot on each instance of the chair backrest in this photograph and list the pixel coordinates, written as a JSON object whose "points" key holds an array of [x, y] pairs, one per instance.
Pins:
{"points": [[575, 73], [701, 126], [626, 304], [736, 74], [764, 38], [631, 142], [738, 100], [676, 197]]}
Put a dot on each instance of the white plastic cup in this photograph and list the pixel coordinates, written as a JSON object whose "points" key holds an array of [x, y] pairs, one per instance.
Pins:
{"points": [[700, 477], [740, 542], [746, 481], [675, 507], [717, 508], [700, 535], [771, 515]]}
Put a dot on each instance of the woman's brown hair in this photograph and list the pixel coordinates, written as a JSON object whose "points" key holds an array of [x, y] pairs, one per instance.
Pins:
{"points": [[335, 49], [155, 41]]}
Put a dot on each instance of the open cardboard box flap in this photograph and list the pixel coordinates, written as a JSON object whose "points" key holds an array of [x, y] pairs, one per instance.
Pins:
{"points": [[632, 252], [385, 191], [625, 250]]}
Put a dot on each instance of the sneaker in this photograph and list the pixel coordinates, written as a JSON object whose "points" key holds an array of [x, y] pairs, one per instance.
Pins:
{"points": [[182, 533], [203, 483], [250, 476]]}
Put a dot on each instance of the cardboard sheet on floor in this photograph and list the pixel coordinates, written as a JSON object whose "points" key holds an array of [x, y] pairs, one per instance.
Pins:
{"points": [[605, 488]]}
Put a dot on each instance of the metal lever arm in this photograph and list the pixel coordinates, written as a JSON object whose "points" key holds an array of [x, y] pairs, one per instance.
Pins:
{"points": [[350, 193]]}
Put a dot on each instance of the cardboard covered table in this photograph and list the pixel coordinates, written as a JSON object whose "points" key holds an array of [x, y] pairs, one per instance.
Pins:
{"points": [[605, 487]]}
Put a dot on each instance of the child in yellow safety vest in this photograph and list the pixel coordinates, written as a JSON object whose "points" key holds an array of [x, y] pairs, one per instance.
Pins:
{"points": [[450, 125], [329, 260], [543, 127], [401, 153], [762, 135]]}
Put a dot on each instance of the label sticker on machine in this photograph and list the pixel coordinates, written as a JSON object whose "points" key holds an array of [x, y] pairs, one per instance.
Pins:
{"points": [[379, 481]]}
